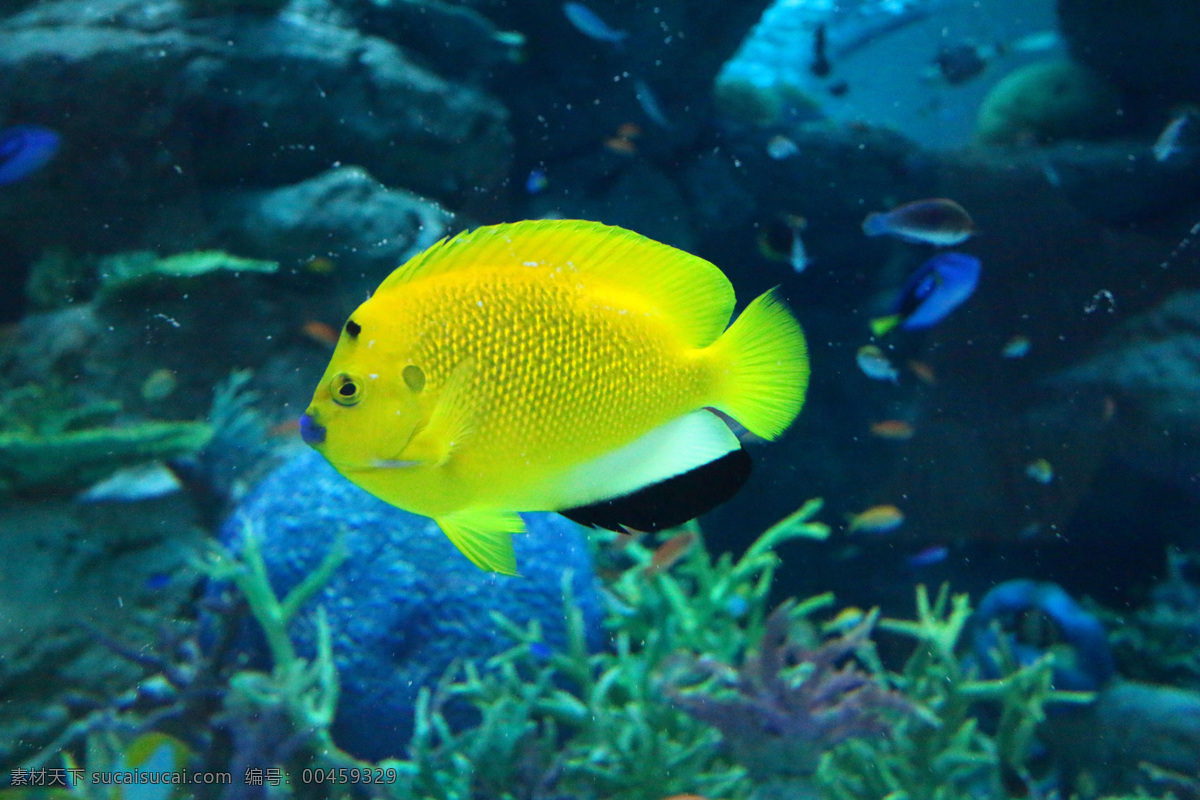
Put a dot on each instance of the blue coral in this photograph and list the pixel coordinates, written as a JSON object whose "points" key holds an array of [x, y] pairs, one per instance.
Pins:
{"points": [[1017, 610], [405, 603]]}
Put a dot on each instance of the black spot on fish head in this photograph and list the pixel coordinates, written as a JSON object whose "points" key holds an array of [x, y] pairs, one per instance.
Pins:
{"points": [[414, 378], [353, 329]]}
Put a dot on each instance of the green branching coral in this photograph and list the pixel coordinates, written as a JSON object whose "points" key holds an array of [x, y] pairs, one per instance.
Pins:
{"points": [[943, 754], [600, 725], [141, 269], [49, 442]]}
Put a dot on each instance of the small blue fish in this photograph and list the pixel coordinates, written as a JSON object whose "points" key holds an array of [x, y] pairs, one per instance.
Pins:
{"points": [[939, 286], [935, 554], [537, 181], [24, 149], [590, 25], [649, 103]]}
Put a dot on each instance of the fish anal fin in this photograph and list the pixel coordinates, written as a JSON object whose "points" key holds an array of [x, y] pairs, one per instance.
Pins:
{"points": [[485, 537], [450, 423], [690, 292], [669, 503]]}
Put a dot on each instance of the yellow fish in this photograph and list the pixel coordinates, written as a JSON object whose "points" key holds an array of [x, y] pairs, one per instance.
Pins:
{"points": [[552, 365]]}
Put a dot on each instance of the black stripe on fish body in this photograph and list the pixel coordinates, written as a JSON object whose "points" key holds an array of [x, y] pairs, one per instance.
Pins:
{"points": [[669, 503]]}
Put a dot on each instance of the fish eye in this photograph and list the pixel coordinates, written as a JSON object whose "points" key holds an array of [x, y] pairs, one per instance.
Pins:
{"points": [[345, 390], [414, 377]]}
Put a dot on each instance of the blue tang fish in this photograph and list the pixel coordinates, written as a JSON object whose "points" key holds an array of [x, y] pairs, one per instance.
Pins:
{"points": [[24, 149], [939, 286], [590, 25]]}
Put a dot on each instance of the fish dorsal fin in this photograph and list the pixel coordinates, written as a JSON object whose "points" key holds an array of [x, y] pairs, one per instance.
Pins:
{"points": [[686, 289]]}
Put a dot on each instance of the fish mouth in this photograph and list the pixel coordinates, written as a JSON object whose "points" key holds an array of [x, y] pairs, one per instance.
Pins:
{"points": [[312, 432]]}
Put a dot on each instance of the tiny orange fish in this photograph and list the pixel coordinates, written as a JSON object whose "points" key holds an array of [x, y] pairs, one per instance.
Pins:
{"points": [[876, 519], [619, 144], [320, 265], [320, 332], [895, 429], [629, 130], [923, 371], [289, 427], [669, 553]]}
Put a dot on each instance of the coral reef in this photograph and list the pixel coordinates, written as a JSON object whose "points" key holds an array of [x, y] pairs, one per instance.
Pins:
{"points": [[1034, 618], [405, 604], [49, 444], [945, 751], [1160, 642], [790, 700], [122, 273]]}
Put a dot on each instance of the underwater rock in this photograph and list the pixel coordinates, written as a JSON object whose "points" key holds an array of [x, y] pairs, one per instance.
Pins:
{"points": [[404, 604], [453, 37], [1133, 737], [237, 100], [343, 215], [1046, 102], [121, 568], [1145, 47], [1149, 368]]}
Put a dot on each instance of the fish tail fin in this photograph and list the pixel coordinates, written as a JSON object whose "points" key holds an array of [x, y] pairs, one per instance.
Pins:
{"points": [[881, 326], [766, 364], [485, 537]]}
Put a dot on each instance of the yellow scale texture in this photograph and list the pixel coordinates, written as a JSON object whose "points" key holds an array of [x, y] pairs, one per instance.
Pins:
{"points": [[561, 374]]}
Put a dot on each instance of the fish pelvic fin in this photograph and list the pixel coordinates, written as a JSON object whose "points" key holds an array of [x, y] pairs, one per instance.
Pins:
{"points": [[881, 326], [765, 361], [485, 537], [450, 424]]}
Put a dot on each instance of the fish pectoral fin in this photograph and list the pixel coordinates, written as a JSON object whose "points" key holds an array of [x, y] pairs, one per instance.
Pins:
{"points": [[485, 537], [449, 425]]}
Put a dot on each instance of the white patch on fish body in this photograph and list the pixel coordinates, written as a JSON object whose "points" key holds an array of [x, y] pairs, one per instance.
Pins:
{"points": [[129, 485]]}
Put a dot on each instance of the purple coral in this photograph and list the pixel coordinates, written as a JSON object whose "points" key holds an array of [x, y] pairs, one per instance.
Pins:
{"points": [[789, 702]]}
